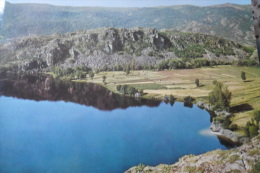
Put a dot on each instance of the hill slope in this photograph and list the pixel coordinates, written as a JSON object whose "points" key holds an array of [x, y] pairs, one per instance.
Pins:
{"points": [[110, 48], [230, 21]]}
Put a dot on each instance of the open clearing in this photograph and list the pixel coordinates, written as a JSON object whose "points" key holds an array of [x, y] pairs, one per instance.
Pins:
{"points": [[181, 83]]}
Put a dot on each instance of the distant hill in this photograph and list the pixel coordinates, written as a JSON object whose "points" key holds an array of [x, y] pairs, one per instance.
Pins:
{"points": [[114, 49], [230, 21]]}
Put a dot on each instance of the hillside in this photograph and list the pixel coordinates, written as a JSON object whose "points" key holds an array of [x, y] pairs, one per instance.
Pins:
{"points": [[113, 49], [230, 21]]}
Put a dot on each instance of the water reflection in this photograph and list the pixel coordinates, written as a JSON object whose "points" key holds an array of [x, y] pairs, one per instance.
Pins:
{"points": [[45, 87]]}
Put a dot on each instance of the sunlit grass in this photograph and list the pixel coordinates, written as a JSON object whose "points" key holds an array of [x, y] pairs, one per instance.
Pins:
{"points": [[181, 83]]}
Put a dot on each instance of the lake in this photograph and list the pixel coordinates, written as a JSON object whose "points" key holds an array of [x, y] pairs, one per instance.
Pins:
{"points": [[45, 131]]}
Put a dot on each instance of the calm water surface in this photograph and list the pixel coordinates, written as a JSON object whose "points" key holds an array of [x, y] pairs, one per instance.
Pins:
{"points": [[58, 136]]}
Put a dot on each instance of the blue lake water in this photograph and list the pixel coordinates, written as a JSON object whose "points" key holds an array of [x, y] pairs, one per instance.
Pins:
{"points": [[49, 136]]}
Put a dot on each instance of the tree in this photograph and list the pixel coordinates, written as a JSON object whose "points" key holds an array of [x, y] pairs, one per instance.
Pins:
{"points": [[104, 79], [220, 97], [124, 89], [243, 75], [118, 87], [197, 82], [91, 75], [131, 90]]}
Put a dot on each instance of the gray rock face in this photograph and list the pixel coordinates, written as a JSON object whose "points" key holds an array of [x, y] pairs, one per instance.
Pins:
{"points": [[103, 48], [230, 135], [93, 48]]}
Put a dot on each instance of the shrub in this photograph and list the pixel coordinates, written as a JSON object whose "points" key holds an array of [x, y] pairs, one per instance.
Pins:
{"points": [[253, 131], [243, 75], [233, 127], [197, 82]]}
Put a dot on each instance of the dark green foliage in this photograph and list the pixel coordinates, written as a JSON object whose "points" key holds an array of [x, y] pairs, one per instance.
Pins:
{"points": [[243, 75], [197, 82], [233, 127], [247, 62], [118, 87], [188, 101], [172, 100], [187, 63], [220, 96], [219, 119], [169, 99], [170, 64], [226, 123], [73, 73], [249, 49], [252, 128], [253, 131], [126, 89]]}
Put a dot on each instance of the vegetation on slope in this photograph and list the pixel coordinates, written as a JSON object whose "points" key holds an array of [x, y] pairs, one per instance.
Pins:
{"points": [[229, 21]]}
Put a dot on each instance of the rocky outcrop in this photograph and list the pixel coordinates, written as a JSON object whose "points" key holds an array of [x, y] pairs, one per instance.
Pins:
{"points": [[110, 48], [241, 159], [93, 48], [234, 137]]}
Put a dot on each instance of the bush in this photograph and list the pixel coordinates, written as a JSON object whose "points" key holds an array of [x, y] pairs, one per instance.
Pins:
{"points": [[253, 131], [243, 75], [233, 127], [226, 122], [197, 82]]}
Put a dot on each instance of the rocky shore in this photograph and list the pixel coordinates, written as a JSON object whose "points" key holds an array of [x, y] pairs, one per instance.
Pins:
{"points": [[218, 129], [241, 159]]}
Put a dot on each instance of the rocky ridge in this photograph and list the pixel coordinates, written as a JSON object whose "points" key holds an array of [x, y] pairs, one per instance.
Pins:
{"points": [[241, 159], [107, 48]]}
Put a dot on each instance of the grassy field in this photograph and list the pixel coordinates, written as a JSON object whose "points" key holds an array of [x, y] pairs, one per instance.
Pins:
{"points": [[181, 83]]}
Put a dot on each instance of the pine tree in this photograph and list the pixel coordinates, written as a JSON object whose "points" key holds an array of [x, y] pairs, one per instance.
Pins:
{"points": [[243, 75]]}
